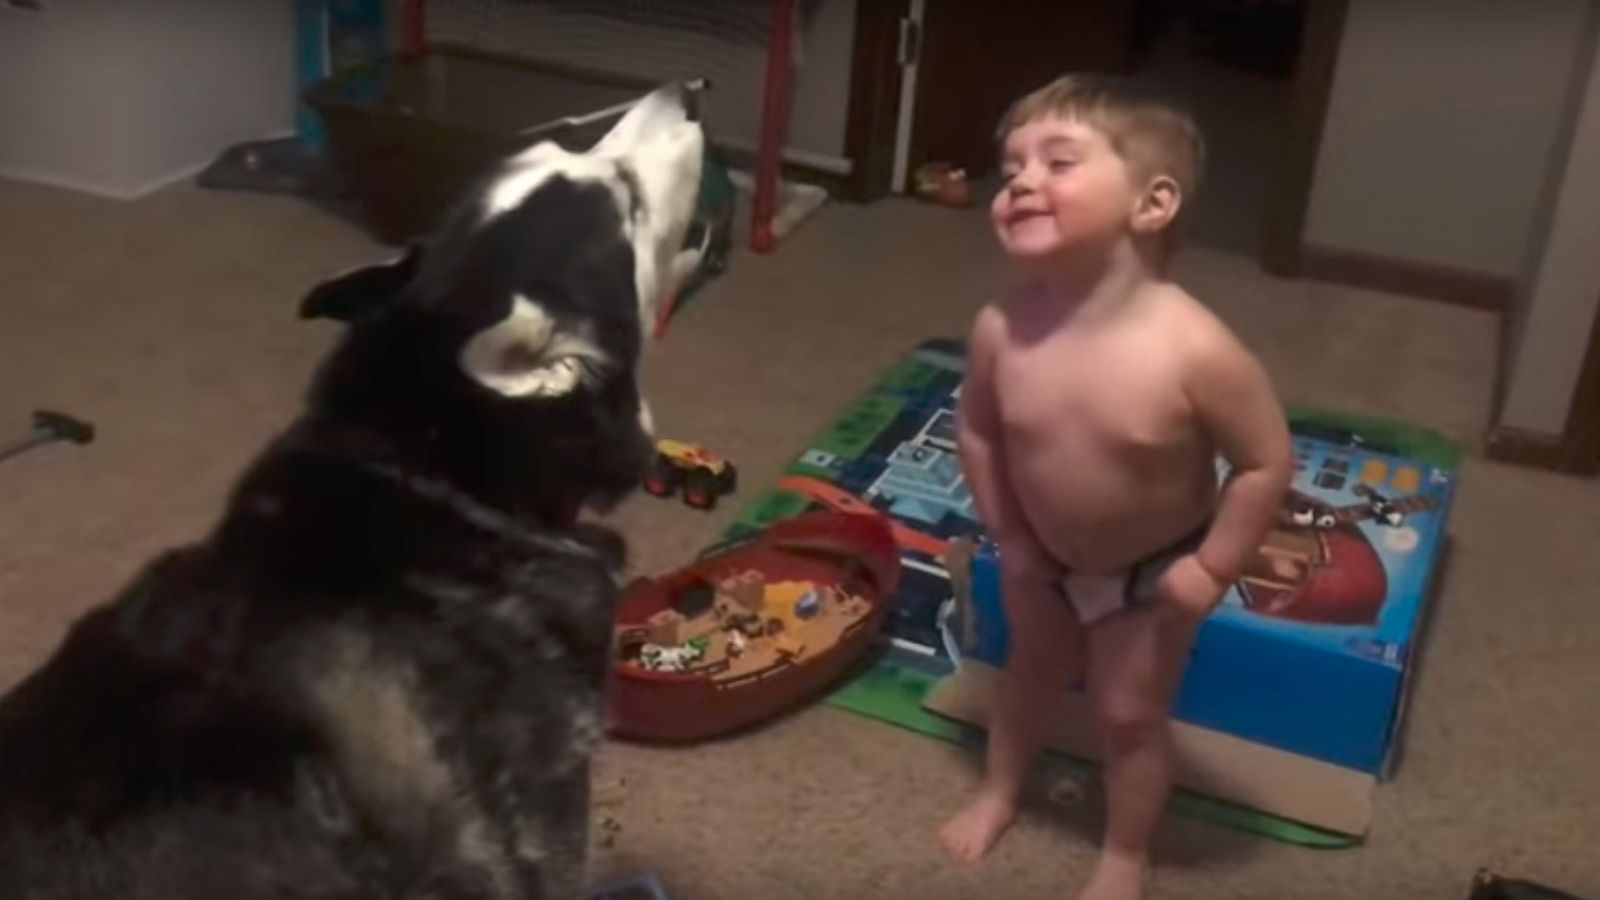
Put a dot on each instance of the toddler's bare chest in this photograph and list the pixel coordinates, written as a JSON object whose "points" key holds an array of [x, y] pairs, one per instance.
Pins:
{"points": [[1109, 394]]}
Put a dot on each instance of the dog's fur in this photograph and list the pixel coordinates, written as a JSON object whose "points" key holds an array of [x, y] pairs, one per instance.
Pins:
{"points": [[381, 674]]}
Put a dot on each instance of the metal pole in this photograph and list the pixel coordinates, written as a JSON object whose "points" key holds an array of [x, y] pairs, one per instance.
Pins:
{"points": [[774, 113]]}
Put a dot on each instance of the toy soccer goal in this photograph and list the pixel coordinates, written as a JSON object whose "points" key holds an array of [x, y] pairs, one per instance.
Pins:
{"points": [[746, 48]]}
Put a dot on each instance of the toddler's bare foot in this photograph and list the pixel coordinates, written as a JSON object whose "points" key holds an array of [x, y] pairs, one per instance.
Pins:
{"points": [[969, 834], [1117, 877]]}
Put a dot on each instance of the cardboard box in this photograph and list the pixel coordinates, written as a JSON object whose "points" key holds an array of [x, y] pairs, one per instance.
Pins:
{"points": [[1209, 762]]}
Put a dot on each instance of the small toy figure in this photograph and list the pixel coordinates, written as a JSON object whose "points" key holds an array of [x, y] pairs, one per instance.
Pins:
{"points": [[748, 589], [657, 658], [942, 183], [665, 626], [700, 474], [1382, 508]]}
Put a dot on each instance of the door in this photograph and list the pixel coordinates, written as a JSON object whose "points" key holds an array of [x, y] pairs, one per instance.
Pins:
{"points": [[977, 56]]}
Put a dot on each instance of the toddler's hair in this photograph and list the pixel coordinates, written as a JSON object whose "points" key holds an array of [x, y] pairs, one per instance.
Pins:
{"points": [[1153, 135]]}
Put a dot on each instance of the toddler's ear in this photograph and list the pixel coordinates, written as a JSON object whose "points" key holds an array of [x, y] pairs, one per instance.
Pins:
{"points": [[1158, 206]]}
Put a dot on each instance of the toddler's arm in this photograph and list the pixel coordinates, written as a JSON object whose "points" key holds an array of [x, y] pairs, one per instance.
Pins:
{"points": [[1237, 406], [982, 459]]}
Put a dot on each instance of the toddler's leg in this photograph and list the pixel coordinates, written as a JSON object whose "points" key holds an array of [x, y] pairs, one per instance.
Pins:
{"points": [[1044, 654], [1135, 661]]}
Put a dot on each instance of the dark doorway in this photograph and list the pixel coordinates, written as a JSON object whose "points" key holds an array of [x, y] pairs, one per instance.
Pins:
{"points": [[1233, 64], [976, 56], [1254, 72]]}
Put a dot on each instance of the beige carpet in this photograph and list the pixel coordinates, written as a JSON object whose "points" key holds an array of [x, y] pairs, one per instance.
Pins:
{"points": [[170, 323]]}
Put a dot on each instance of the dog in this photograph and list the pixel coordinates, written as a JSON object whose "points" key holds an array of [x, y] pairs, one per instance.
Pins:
{"points": [[381, 673]]}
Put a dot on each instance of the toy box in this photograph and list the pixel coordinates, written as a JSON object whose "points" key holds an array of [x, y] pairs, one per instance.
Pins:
{"points": [[1311, 651]]}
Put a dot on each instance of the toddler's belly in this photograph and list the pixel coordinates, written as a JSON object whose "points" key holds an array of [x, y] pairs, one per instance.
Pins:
{"points": [[1098, 513]]}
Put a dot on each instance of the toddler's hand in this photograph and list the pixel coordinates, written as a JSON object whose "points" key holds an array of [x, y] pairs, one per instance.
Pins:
{"points": [[1189, 588]]}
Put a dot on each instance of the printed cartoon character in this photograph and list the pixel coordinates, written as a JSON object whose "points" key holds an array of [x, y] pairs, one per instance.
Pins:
{"points": [[1317, 566], [1381, 508]]}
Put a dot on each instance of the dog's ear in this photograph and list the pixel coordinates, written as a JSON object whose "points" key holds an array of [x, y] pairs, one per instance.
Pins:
{"points": [[530, 354], [350, 295]]}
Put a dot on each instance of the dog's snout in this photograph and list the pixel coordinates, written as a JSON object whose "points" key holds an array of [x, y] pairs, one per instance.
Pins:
{"points": [[684, 96], [690, 95]]}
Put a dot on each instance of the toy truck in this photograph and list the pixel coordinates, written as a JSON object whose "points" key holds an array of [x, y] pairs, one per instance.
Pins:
{"points": [[701, 476]]}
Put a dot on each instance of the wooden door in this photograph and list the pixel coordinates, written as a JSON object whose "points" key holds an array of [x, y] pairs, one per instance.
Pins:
{"points": [[977, 56]]}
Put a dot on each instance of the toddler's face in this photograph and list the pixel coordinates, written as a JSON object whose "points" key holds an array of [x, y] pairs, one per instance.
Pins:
{"points": [[1065, 189]]}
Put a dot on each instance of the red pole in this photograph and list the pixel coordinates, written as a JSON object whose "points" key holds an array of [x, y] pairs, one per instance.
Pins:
{"points": [[413, 26], [774, 113]]}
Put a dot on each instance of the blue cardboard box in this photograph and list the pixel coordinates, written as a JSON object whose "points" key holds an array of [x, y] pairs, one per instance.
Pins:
{"points": [[1312, 650]]}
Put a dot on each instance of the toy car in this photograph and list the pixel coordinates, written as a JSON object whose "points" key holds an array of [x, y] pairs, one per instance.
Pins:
{"points": [[701, 475]]}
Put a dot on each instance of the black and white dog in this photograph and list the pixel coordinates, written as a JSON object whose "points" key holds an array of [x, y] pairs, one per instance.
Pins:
{"points": [[381, 674]]}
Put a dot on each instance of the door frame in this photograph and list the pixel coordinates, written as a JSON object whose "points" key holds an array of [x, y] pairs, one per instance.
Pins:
{"points": [[909, 57], [1583, 419], [1283, 243], [1576, 450], [877, 80]]}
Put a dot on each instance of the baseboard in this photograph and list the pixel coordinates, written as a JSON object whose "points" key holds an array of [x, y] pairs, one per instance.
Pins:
{"points": [[65, 182], [124, 193], [164, 181], [1479, 290], [108, 192], [1538, 449], [741, 156]]}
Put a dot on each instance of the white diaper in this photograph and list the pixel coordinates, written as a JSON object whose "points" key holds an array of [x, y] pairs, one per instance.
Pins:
{"points": [[1096, 596]]}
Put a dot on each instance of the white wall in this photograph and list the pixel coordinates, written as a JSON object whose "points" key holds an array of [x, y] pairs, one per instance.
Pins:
{"points": [[203, 75], [119, 97], [1441, 122], [1560, 297], [57, 122]]}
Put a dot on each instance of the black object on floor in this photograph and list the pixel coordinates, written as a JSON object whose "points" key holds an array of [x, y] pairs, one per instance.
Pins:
{"points": [[281, 166], [1487, 885], [49, 427]]}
